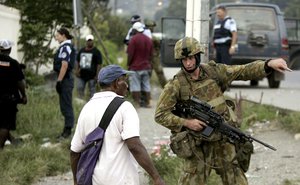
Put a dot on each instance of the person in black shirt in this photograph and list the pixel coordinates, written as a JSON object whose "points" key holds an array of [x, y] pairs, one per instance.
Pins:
{"points": [[12, 91], [89, 61]]}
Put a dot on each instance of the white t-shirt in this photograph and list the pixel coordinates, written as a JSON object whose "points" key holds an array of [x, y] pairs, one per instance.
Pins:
{"points": [[116, 165], [146, 32]]}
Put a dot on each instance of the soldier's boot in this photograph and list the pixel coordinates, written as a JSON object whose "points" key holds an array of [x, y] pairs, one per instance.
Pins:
{"points": [[4, 134], [136, 98]]}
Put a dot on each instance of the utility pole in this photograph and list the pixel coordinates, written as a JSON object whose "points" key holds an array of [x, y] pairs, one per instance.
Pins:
{"points": [[197, 23], [78, 21]]}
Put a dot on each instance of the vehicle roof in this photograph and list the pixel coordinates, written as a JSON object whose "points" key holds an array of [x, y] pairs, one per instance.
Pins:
{"points": [[268, 5]]}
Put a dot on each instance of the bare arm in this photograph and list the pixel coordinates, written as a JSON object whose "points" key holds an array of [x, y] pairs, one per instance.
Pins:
{"points": [[233, 42], [74, 158], [139, 152], [21, 87]]}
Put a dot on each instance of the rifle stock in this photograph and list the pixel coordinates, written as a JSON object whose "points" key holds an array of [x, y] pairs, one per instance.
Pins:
{"points": [[214, 121]]}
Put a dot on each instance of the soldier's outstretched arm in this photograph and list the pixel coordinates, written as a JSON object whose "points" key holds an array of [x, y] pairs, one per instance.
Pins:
{"points": [[278, 64]]}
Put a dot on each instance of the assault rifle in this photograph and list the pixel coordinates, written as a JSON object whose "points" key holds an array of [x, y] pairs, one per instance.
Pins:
{"points": [[200, 110]]}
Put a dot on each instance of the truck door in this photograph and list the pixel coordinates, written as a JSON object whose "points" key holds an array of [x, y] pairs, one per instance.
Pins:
{"points": [[172, 30]]}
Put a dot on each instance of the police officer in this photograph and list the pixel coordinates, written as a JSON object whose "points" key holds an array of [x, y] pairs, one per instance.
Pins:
{"points": [[12, 91], [225, 36], [63, 64], [207, 82]]}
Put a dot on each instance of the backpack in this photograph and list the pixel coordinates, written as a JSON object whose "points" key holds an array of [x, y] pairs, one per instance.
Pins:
{"points": [[93, 144]]}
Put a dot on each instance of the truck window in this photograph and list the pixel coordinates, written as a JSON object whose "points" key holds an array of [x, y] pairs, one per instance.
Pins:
{"points": [[249, 19], [293, 29], [173, 29]]}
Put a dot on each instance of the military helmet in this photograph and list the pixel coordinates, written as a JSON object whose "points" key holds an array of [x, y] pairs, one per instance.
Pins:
{"points": [[186, 47]]}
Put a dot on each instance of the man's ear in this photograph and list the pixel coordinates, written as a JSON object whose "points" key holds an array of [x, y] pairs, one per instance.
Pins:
{"points": [[116, 83]]}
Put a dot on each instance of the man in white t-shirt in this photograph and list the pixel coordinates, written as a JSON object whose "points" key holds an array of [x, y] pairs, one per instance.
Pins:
{"points": [[122, 149]]}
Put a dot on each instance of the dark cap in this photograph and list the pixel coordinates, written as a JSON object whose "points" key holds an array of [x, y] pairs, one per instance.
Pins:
{"points": [[135, 18], [110, 73]]}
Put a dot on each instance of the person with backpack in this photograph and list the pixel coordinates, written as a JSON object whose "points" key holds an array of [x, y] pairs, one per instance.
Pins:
{"points": [[207, 82], [64, 60], [225, 36], [122, 148]]}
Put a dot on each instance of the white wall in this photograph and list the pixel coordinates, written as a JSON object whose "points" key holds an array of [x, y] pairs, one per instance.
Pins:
{"points": [[10, 29]]}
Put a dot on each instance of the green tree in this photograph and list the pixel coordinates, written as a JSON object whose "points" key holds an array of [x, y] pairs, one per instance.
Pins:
{"points": [[39, 20], [293, 9]]}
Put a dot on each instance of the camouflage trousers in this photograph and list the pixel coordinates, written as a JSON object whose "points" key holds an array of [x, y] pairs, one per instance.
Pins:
{"points": [[159, 70], [210, 156]]}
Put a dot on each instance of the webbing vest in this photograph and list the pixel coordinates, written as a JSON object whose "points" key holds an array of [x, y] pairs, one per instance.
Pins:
{"points": [[209, 89], [57, 60], [220, 31]]}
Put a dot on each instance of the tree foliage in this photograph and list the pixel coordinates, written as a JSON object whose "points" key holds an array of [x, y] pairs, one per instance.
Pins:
{"points": [[39, 20]]}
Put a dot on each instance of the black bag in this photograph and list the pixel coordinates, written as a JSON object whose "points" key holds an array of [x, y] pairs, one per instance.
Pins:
{"points": [[93, 144]]}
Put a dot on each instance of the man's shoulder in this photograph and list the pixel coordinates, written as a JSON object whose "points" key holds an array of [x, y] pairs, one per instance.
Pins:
{"points": [[7, 58]]}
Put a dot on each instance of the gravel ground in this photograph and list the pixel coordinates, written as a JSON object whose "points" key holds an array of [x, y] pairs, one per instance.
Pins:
{"points": [[267, 167]]}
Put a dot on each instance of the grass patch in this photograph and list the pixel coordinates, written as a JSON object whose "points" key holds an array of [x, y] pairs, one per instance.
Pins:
{"points": [[41, 117]]}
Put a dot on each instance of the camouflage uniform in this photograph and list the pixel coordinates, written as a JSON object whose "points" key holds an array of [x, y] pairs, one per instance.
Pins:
{"points": [[156, 63], [215, 152], [156, 55]]}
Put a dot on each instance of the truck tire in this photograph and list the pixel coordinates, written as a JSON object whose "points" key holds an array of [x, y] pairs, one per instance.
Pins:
{"points": [[294, 62], [272, 82], [254, 83]]}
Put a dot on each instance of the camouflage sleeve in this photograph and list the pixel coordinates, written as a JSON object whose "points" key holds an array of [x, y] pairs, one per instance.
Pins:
{"points": [[165, 105], [252, 71]]}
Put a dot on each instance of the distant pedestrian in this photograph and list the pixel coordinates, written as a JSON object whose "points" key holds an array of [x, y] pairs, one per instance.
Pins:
{"points": [[89, 61], [156, 65], [12, 91], [140, 52], [225, 36], [134, 19], [64, 60]]}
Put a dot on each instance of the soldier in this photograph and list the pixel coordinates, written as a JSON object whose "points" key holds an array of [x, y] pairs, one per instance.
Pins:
{"points": [[156, 55], [207, 82]]}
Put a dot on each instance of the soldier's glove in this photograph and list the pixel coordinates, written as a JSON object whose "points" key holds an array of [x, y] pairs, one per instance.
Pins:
{"points": [[58, 87]]}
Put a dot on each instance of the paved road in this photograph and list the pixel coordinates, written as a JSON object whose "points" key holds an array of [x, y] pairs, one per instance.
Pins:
{"points": [[287, 96]]}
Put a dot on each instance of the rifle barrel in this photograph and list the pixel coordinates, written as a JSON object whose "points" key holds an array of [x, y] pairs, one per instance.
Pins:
{"points": [[265, 144]]}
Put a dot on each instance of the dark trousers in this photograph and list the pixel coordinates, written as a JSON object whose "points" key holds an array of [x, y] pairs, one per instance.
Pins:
{"points": [[223, 55], [65, 101]]}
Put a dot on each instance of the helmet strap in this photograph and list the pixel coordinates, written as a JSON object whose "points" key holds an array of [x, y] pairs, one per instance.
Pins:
{"points": [[198, 61]]}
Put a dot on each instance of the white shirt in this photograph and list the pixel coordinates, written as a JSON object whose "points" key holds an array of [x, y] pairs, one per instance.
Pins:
{"points": [[146, 32], [116, 165]]}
